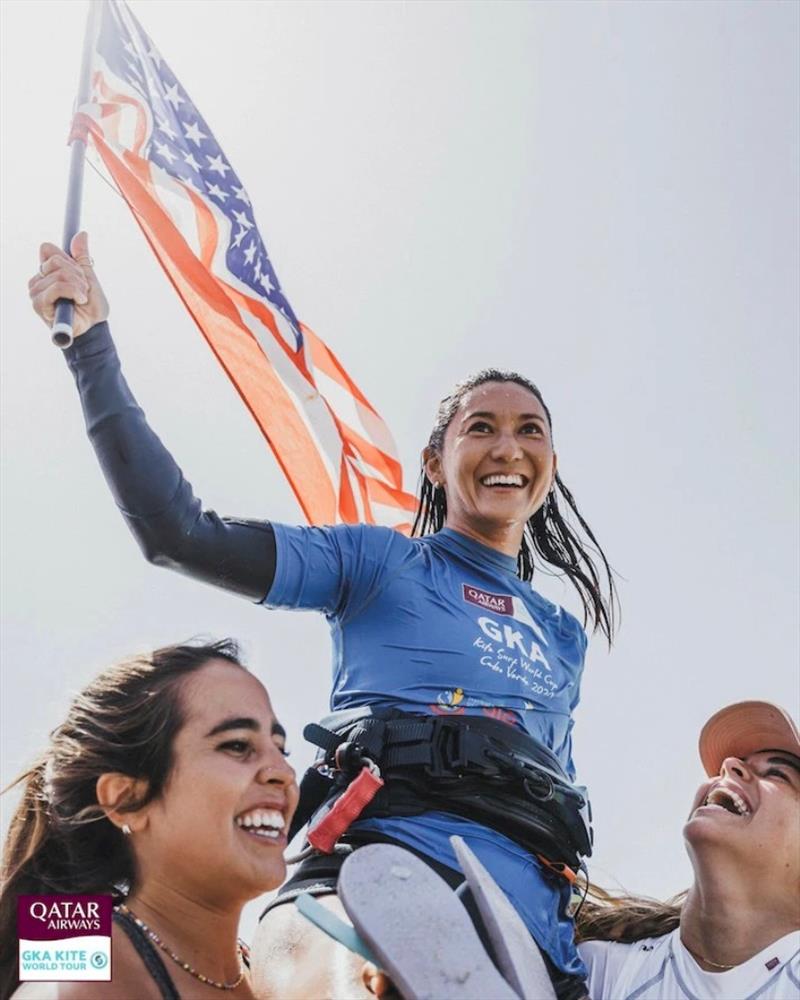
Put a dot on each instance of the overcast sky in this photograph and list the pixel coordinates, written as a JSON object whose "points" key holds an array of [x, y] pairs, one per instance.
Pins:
{"points": [[602, 196]]}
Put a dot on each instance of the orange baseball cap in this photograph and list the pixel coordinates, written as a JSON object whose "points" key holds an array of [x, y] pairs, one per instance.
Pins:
{"points": [[744, 728]]}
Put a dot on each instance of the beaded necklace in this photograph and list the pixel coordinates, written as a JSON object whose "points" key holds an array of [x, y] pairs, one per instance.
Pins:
{"points": [[122, 908]]}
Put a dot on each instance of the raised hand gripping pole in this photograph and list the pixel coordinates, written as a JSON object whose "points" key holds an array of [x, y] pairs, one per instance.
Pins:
{"points": [[61, 333]]}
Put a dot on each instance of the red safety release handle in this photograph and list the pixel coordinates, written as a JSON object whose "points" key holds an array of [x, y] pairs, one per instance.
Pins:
{"points": [[348, 807]]}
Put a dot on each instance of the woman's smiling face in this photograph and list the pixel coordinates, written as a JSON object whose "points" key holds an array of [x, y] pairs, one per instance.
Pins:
{"points": [[751, 812], [496, 463], [219, 827]]}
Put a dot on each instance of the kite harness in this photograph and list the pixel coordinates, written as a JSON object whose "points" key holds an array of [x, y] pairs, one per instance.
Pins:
{"points": [[377, 763]]}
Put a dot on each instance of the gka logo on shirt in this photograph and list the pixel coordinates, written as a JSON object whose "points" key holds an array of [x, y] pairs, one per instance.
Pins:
{"points": [[500, 604], [511, 638]]}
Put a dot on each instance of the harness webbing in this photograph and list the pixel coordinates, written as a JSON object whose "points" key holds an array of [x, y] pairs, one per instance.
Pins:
{"points": [[475, 767]]}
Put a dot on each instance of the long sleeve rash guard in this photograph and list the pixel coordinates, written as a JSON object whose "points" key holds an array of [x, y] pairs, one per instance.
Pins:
{"points": [[439, 624], [158, 504]]}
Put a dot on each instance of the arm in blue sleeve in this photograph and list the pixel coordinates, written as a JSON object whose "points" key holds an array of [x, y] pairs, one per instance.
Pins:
{"points": [[158, 504]]}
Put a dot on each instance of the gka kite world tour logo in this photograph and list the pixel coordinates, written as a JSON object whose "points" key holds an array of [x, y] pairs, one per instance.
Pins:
{"points": [[502, 632], [509, 650], [64, 938]]}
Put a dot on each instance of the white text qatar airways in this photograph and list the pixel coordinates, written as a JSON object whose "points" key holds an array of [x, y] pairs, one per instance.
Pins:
{"points": [[67, 915]]}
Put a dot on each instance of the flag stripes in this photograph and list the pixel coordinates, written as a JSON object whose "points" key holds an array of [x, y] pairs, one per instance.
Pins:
{"points": [[332, 445]]}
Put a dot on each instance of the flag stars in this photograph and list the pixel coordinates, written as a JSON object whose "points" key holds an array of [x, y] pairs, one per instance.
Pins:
{"points": [[193, 132], [217, 164], [133, 67], [165, 152], [190, 184], [190, 161], [241, 194], [129, 47], [150, 75], [257, 269], [155, 55], [218, 192], [171, 94], [242, 219], [166, 128], [250, 252], [239, 237], [266, 283]]}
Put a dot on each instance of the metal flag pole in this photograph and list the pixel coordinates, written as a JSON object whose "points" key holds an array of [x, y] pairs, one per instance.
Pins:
{"points": [[61, 333]]}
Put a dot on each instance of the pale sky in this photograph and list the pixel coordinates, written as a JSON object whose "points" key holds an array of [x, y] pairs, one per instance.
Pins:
{"points": [[601, 196]]}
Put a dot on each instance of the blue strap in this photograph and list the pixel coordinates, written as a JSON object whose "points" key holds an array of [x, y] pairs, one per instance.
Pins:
{"points": [[333, 926]]}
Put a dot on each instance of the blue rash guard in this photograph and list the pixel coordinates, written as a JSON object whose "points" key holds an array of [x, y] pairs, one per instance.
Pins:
{"points": [[437, 624], [443, 624]]}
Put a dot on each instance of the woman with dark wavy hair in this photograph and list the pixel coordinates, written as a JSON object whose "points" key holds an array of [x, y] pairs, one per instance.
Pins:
{"points": [[435, 637], [166, 787]]}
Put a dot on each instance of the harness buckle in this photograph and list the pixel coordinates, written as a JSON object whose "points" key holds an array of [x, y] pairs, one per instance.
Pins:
{"points": [[536, 782], [454, 749], [349, 757], [439, 766]]}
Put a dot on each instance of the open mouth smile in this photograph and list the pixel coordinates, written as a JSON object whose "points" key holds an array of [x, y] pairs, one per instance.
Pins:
{"points": [[729, 800], [267, 825], [515, 480]]}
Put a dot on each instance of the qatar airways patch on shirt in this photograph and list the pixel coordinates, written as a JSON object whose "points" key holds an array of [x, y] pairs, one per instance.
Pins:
{"points": [[499, 604]]}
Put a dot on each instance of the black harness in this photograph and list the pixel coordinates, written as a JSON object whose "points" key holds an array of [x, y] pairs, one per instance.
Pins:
{"points": [[475, 767]]}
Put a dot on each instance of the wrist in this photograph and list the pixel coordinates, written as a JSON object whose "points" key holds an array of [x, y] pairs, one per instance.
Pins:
{"points": [[96, 339]]}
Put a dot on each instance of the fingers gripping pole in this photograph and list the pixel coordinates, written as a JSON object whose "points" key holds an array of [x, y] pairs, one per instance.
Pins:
{"points": [[61, 333]]}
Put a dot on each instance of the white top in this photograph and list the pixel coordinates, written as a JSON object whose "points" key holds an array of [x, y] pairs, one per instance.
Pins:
{"points": [[662, 969]]}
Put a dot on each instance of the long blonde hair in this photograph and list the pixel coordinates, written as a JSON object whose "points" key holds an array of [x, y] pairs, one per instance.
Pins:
{"points": [[606, 916]]}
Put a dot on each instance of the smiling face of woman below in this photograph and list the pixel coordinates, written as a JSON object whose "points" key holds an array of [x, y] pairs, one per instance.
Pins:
{"points": [[747, 819], [219, 828], [496, 464]]}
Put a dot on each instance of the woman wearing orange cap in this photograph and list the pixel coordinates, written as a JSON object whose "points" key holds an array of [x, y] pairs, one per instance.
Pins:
{"points": [[736, 932]]}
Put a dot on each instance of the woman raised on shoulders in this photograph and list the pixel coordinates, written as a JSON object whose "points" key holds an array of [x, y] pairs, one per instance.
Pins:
{"points": [[428, 632]]}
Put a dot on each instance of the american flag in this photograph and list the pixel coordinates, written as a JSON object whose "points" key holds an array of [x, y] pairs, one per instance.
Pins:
{"points": [[332, 445]]}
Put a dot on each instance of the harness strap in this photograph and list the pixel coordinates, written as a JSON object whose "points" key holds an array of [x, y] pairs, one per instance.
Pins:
{"points": [[314, 790], [479, 768]]}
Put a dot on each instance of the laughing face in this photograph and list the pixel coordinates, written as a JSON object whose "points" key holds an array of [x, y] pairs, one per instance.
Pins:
{"points": [[752, 809], [222, 818], [496, 464]]}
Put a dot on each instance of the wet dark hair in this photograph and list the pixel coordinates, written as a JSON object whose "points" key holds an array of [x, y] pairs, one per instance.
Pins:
{"points": [[60, 840], [547, 534]]}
